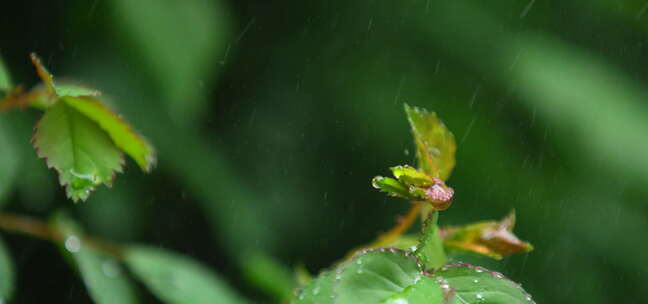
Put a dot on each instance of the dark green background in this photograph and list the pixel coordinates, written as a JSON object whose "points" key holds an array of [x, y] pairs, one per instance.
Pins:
{"points": [[271, 117]]}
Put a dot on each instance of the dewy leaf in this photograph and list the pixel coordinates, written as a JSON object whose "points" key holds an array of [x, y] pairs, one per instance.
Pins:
{"points": [[319, 291], [78, 149], [6, 274], [414, 184], [392, 187], [435, 144], [375, 276], [425, 291], [430, 249], [490, 238], [102, 275], [177, 279], [120, 131], [474, 284], [410, 176]]}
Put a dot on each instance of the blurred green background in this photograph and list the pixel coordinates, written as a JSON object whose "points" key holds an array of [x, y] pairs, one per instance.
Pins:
{"points": [[271, 117]]}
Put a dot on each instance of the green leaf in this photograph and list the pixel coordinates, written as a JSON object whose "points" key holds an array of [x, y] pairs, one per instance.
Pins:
{"points": [[410, 176], [119, 130], [178, 279], [375, 276], [179, 69], [489, 238], [474, 284], [393, 187], [430, 249], [319, 291], [6, 274], [425, 291], [269, 275], [78, 149], [66, 88], [5, 80], [435, 144], [102, 275]]}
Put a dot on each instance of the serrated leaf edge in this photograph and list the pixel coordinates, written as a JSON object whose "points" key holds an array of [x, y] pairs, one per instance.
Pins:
{"points": [[150, 157], [480, 269], [108, 182]]}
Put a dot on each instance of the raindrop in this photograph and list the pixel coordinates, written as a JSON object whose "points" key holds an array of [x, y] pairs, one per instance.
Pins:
{"points": [[480, 297], [316, 290], [73, 244], [359, 271], [475, 281], [399, 301], [110, 269]]}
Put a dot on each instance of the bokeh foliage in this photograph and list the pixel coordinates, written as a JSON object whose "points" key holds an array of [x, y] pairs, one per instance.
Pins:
{"points": [[259, 106]]}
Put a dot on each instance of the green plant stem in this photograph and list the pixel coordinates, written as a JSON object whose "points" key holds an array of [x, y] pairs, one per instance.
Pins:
{"points": [[430, 250], [41, 230]]}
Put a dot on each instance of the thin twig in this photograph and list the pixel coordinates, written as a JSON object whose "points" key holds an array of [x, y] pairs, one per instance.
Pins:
{"points": [[41, 230]]}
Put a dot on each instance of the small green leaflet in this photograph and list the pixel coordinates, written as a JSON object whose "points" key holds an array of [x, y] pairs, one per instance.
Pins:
{"points": [[119, 131], [103, 276], [82, 153], [490, 238], [79, 136], [416, 185], [435, 144], [177, 279]]}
